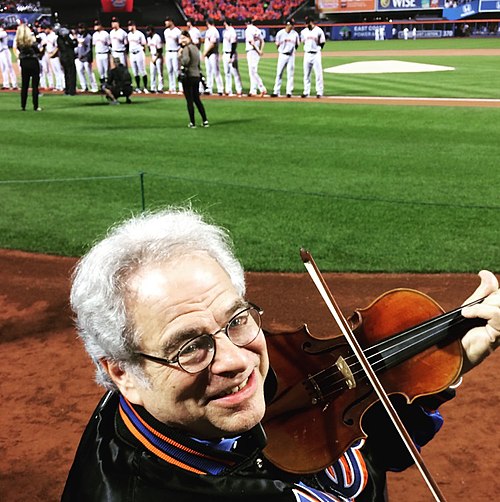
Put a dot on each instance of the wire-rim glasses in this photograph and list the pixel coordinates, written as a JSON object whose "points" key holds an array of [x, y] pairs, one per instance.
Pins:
{"points": [[198, 353]]}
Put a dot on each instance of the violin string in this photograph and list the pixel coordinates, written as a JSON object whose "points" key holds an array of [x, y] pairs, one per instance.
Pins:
{"points": [[381, 364], [403, 335], [336, 386]]}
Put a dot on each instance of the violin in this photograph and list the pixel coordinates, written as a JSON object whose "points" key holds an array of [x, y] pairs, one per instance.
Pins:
{"points": [[322, 391]]}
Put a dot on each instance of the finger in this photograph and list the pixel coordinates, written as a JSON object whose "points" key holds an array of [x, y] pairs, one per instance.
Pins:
{"points": [[488, 285]]}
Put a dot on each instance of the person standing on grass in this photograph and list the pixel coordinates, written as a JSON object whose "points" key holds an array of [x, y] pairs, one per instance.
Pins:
{"points": [[230, 59], [52, 50], [172, 44], [137, 56], [313, 38], [84, 59], [66, 45], [194, 32], [102, 44], [119, 41], [6, 67], [254, 47], [155, 44], [287, 41], [28, 54], [211, 55], [189, 62]]}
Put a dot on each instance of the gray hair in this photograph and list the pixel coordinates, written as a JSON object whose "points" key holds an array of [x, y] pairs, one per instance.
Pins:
{"points": [[98, 293]]}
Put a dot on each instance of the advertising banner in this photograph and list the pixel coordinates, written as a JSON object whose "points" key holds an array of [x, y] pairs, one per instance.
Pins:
{"points": [[117, 5], [409, 4], [331, 6], [461, 11], [361, 32], [489, 6]]}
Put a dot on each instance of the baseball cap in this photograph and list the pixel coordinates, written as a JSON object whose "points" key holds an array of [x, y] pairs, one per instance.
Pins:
{"points": [[131, 22], [114, 19], [290, 22]]}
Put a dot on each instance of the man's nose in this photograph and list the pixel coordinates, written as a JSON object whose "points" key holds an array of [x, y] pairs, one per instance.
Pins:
{"points": [[228, 356]]}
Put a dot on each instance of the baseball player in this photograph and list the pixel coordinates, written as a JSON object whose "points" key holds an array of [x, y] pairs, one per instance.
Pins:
{"points": [[230, 59], [211, 55], [155, 45], [313, 38], [46, 79], [83, 60], [287, 41], [254, 47], [102, 44], [194, 33], [172, 36], [51, 49], [136, 45], [6, 66], [119, 41]]}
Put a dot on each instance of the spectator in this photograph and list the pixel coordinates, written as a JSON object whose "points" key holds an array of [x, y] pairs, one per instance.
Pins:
{"points": [[30, 65]]}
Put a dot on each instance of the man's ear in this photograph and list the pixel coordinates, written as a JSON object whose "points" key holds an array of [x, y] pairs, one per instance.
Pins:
{"points": [[125, 381]]}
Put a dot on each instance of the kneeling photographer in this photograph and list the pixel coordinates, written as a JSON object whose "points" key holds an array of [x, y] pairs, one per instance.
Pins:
{"points": [[119, 83], [190, 77]]}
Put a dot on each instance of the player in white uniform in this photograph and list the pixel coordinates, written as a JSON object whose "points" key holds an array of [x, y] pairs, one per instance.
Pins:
{"points": [[119, 41], [287, 41], [136, 45], [230, 59], [102, 44], [83, 61], [254, 47], [172, 36], [6, 67], [313, 38], [46, 79], [51, 49], [194, 33], [211, 55], [155, 44]]}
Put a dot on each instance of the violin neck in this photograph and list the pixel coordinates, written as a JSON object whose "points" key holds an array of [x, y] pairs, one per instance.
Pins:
{"points": [[438, 331]]}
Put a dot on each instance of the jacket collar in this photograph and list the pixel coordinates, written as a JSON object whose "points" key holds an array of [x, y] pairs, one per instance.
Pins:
{"points": [[173, 446]]}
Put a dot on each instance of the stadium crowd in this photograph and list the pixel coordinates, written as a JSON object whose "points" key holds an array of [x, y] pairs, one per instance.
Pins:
{"points": [[239, 10], [9, 6]]}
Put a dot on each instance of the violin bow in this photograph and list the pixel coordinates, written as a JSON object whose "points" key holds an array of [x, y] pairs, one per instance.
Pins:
{"points": [[341, 321]]}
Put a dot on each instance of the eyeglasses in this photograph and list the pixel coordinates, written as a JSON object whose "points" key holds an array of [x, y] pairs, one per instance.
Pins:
{"points": [[198, 353]]}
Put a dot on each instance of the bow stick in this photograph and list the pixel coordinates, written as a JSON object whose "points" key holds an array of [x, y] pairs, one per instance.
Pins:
{"points": [[334, 309]]}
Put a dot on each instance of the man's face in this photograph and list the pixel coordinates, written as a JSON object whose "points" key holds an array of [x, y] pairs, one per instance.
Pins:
{"points": [[288, 28], [115, 25], [177, 300], [168, 23], [184, 40]]}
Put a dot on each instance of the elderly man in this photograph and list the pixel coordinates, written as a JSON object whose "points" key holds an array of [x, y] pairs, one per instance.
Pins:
{"points": [[161, 308]]}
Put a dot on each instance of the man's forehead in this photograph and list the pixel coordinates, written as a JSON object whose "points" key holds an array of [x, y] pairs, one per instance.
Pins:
{"points": [[173, 274]]}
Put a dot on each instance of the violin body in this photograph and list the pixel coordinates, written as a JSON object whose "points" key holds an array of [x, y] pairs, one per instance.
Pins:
{"points": [[322, 393]]}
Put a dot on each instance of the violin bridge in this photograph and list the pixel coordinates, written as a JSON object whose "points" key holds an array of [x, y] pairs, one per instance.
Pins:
{"points": [[346, 372]]}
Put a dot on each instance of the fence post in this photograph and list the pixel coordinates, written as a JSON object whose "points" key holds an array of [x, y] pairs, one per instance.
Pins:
{"points": [[143, 198]]}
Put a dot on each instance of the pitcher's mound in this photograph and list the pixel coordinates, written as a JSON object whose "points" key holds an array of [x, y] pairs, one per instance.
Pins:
{"points": [[386, 66]]}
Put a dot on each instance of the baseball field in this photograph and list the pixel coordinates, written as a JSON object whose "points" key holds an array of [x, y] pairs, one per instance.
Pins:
{"points": [[391, 176]]}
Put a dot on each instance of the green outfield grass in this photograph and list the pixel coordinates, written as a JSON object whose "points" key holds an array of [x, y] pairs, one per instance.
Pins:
{"points": [[365, 188]]}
